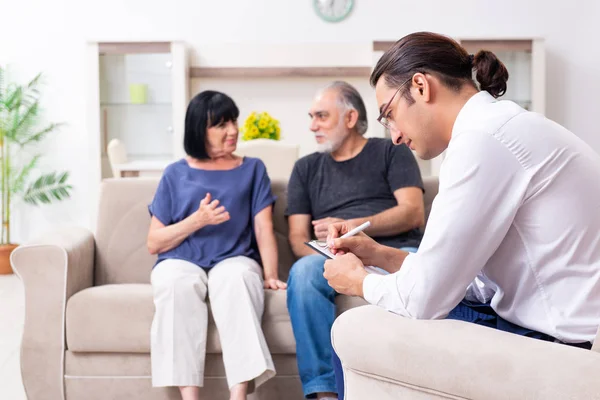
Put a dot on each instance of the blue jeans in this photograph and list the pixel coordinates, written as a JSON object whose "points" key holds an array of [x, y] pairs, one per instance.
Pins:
{"points": [[311, 304]]}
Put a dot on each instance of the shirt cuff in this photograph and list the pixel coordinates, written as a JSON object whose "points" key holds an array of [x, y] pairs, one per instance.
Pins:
{"points": [[371, 283]]}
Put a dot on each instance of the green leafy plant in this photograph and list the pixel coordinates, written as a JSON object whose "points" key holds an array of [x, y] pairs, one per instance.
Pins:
{"points": [[19, 128]]}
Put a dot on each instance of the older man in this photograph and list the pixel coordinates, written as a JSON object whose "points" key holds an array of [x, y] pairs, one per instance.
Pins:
{"points": [[352, 179]]}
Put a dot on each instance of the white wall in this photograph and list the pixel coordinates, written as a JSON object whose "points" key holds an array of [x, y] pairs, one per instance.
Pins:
{"points": [[289, 101], [50, 36]]}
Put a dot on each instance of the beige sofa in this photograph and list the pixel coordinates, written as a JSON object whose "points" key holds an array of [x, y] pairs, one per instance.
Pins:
{"points": [[89, 308]]}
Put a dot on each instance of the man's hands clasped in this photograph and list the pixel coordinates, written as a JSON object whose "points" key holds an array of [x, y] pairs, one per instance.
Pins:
{"points": [[321, 227]]}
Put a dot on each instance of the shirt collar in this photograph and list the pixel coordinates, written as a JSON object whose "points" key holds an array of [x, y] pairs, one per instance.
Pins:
{"points": [[471, 109]]}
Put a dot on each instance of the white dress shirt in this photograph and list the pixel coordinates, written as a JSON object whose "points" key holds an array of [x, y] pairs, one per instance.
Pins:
{"points": [[518, 204]]}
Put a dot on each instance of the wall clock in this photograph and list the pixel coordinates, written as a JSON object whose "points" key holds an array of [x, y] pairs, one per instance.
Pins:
{"points": [[333, 10]]}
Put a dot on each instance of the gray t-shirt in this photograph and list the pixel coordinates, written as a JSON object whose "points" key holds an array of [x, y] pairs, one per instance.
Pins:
{"points": [[355, 188]]}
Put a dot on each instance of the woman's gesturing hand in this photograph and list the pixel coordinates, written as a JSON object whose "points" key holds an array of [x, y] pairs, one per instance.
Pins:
{"points": [[209, 212]]}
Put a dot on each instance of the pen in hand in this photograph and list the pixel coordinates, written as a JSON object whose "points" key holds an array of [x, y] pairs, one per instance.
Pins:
{"points": [[348, 234], [356, 230]]}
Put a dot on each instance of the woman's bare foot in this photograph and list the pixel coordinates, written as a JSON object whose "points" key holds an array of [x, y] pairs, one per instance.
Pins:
{"points": [[239, 391], [190, 392]]}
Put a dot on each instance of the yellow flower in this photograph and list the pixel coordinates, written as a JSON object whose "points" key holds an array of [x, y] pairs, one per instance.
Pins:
{"points": [[250, 134], [260, 125]]}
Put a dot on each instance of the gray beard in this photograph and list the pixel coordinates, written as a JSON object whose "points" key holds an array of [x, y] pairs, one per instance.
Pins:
{"points": [[326, 147]]}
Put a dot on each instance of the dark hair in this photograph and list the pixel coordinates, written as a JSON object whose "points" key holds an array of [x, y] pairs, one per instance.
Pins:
{"points": [[207, 109], [350, 98], [442, 57]]}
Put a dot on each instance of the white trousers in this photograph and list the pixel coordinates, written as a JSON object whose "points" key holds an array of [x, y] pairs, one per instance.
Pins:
{"points": [[178, 337]]}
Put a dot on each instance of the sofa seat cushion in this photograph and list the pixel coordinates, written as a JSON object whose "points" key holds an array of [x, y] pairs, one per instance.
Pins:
{"points": [[117, 319], [110, 318]]}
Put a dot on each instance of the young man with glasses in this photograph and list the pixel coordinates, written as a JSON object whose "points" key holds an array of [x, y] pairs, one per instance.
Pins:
{"points": [[517, 204]]}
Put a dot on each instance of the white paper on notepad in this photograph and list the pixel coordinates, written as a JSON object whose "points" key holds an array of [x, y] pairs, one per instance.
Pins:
{"points": [[324, 250], [320, 247]]}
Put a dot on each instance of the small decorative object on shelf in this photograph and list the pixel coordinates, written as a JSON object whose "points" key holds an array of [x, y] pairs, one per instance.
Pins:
{"points": [[260, 126], [138, 93]]}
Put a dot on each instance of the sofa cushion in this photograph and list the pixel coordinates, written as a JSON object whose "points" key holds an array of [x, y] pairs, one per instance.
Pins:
{"points": [[124, 220], [122, 229], [110, 318], [117, 318]]}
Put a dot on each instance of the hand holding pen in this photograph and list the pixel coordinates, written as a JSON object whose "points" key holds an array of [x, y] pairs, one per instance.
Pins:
{"points": [[344, 238]]}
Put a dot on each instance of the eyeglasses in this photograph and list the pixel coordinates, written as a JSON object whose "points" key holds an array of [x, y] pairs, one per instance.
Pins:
{"points": [[389, 124]]}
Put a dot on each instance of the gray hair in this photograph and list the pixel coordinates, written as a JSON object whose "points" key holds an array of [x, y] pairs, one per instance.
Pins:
{"points": [[349, 99]]}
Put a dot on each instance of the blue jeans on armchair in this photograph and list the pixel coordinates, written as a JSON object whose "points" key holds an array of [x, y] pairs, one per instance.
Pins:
{"points": [[311, 304]]}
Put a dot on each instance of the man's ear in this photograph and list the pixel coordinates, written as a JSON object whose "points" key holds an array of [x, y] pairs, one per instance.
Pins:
{"points": [[351, 118], [422, 85]]}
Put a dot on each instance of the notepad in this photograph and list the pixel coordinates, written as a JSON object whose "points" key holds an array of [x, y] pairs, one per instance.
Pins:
{"points": [[322, 248]]}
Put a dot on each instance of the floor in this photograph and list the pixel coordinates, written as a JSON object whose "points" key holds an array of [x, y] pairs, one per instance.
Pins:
{"points": [[12, 313]]}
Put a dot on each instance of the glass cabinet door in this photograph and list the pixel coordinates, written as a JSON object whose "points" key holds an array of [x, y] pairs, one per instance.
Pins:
{"points": [[136, 105], [518, 63]]}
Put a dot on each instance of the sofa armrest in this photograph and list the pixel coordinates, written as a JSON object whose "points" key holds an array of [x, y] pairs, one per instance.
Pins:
{"points": [[455, 359], [52, 269]]}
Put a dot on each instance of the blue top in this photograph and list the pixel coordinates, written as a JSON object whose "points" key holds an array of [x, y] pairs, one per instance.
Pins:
{"points": [[244, 191]]}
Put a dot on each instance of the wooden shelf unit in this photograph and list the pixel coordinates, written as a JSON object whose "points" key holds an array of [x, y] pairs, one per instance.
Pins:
{"points": [[474, 45], [278, 72]]}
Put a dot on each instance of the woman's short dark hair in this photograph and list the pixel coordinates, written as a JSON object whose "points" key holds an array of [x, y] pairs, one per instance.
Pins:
{"points": [[207, 109], [442, 57]]}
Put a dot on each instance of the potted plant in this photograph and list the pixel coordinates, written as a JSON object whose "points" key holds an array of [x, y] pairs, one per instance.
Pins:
{"points": [[19, 129], [260, 126]]}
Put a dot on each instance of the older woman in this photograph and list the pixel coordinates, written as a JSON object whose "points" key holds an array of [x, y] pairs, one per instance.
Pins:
{"points": [[211, 227]]}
